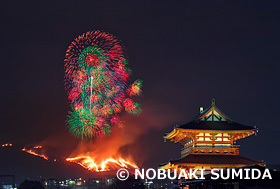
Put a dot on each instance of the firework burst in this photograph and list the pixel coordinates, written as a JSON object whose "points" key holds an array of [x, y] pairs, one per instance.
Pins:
{"points": [[96, 76]]}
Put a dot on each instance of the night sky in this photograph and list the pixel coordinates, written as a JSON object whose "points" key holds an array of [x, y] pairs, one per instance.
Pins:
{"points": [[186, 52]]}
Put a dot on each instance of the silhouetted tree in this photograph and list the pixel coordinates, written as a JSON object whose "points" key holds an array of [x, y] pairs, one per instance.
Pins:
{"points": [[29, 184], [130, 182]]}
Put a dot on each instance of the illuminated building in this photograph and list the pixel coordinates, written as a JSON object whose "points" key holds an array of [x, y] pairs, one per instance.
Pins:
{"points": [[208, 142]]}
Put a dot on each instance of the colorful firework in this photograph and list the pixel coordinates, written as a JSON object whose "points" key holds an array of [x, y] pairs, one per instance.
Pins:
{"points": [[96, 76]]}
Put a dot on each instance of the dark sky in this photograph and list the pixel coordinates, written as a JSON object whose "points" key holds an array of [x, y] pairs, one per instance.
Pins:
{"points": [[186, 52]]}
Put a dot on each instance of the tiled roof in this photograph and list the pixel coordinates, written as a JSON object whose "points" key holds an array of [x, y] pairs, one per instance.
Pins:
{"points": [[214, 159], [215, 125], [214, 119]]}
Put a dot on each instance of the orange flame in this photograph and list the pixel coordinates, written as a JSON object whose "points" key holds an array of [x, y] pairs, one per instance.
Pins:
{"points": [[34, 153], [37, 147], [88, 163], [6, 145]]}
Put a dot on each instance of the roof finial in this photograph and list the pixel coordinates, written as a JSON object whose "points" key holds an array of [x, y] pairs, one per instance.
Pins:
{"points": [[213, 101]]}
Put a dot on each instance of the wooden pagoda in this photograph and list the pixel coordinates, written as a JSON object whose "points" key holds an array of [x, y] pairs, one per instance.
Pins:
{"points": [[209, 142]]}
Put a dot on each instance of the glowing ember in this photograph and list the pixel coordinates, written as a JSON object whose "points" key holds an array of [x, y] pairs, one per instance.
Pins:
{"points": [[6, 145], [110, 163], [37, 147], [34, 153]]}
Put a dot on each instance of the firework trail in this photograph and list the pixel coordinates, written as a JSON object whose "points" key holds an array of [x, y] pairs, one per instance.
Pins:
{"points": [[96, 77]]}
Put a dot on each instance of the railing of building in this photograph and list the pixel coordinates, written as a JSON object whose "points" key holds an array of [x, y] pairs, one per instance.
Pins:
{"points": [[215, 150]]}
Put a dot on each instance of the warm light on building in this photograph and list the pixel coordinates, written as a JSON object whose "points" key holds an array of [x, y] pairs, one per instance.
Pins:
{"points": [[208, 142]]}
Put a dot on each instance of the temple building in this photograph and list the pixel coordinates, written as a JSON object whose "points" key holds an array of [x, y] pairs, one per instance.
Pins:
{"points": [[208, 142]]}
